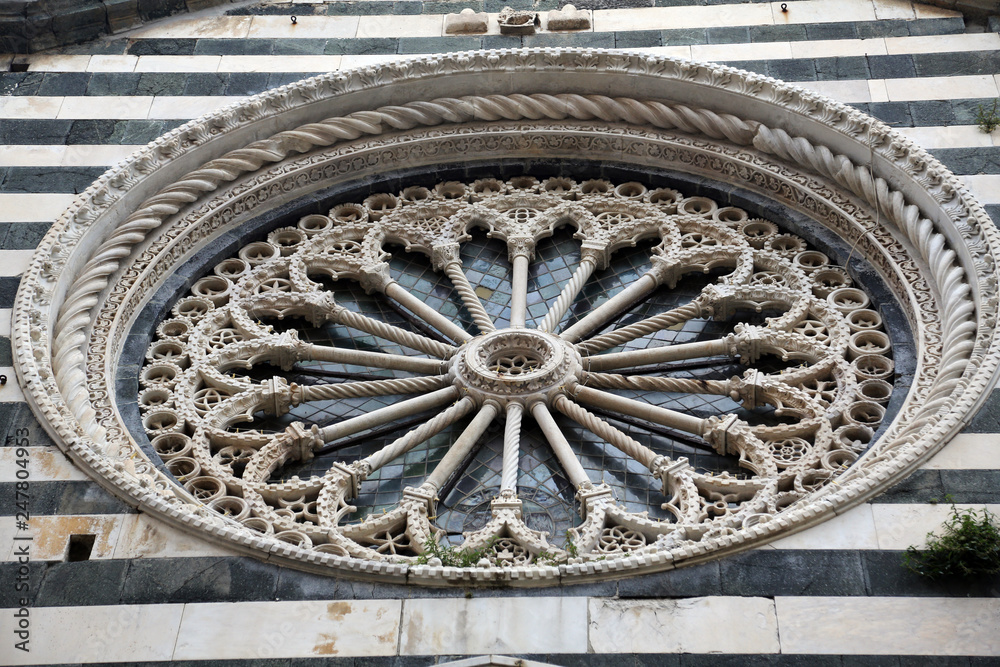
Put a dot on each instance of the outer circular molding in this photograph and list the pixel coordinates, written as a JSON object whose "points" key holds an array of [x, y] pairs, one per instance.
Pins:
{"points": [[914, 221]]}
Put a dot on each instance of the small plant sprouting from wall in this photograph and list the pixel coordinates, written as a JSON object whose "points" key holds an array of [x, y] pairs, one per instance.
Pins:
{"points": [[453, 556], [968, 547], [988, 118]]}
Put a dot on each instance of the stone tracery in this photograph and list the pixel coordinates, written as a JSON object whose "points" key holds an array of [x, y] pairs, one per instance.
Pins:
{"points": [[830, 395]]}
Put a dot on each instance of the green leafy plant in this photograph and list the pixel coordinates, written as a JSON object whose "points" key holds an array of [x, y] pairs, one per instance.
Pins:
{"points": [[453, 556], [549, 558], [988, 118], [571, 548], [969, 546]]}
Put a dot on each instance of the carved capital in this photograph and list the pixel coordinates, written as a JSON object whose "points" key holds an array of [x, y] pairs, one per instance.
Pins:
{"points": [[375, 278], [444, 254], [520, 246]]}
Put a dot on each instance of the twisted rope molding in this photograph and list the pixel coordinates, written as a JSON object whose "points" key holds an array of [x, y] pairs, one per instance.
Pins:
{"points": [[36, 290]]}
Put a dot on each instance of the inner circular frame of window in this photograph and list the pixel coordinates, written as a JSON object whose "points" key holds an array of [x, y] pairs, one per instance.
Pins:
{"points": [[891, 202]]}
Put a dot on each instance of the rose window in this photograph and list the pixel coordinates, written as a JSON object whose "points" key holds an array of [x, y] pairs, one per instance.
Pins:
{"points": [[529, 371], [753, 309]]}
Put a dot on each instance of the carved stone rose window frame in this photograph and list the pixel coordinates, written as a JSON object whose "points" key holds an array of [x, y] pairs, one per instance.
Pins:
{"points": [[896, 206]]}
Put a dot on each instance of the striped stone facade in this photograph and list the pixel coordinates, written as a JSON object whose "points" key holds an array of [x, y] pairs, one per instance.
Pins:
{"points": [[139, 591]]}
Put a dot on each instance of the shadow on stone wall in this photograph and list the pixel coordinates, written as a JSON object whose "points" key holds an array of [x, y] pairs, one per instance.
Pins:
{"points": [[27, 26]]}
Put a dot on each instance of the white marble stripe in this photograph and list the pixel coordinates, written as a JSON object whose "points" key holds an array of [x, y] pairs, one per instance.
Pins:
{"points": [[278, 63], [14, 262], [53, 155], [799, 625], [168, 64], [683, 626], [117, 107], [941, 88], [10, 392], [65, 635], [968, 451], [889, 626], [900, 526], [985, 187], [169, 107], [493, 625], [954, 136], [24, 207]]}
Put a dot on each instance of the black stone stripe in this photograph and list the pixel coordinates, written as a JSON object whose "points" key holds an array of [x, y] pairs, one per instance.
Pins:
{"points": [[761, 573], [62, 497], [8, 291], [987, 420], [943, 486], [16, 419], [45, 179], [46, 131], [22, 235]]}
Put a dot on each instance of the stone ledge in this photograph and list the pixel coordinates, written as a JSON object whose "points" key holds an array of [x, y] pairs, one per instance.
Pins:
{"points": [[28, 26]]}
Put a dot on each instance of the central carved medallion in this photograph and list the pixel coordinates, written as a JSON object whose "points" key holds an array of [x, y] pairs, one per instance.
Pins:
{"points": [[516, 364]]}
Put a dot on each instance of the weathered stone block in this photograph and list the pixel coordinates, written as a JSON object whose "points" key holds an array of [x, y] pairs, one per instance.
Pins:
{"points": [[466, 22], [513, 22], [568, 18], [79, 23], [150, 10], [122, 14]]}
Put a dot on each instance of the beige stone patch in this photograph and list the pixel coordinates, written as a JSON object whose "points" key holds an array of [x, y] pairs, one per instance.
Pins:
{"points": [[45, 464], [219, 27], [52, 534], [290, 629], [146, 537]]}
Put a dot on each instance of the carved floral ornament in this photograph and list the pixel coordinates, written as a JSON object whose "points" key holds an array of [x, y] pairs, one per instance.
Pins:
{"points": [[889, 201]]}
